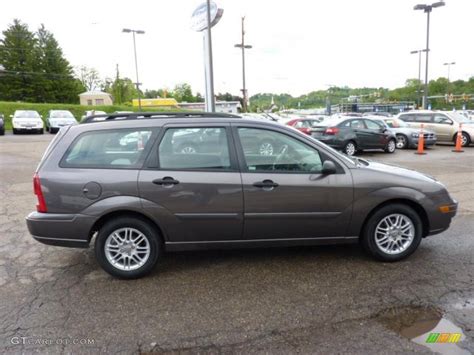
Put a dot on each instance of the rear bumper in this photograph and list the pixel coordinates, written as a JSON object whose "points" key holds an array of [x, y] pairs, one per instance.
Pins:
{"points": [[68, 230]]}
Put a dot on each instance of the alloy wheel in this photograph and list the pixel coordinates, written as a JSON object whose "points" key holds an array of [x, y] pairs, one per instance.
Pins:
{"points": [[266, 148], [394, 233], [127, 249], [401, 141]]}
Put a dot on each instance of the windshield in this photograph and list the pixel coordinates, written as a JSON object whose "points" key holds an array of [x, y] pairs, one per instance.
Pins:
{"points": [[27, 114], [460, 118], [61, 114]]}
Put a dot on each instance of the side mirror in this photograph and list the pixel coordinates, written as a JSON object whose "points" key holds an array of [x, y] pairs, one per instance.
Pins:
{"points": [[329, 168]]}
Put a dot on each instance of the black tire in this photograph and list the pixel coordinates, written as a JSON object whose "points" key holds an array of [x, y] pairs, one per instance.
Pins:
{"points": [[402, 141], [391, 146], [466, 139], [350, 148], [368, 236], [47, 129], [41, 131], [2, 132], [143, 226], [15, 131]]}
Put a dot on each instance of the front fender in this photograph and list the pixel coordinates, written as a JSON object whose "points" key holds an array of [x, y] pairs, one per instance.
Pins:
{"points": [[366, 203]]}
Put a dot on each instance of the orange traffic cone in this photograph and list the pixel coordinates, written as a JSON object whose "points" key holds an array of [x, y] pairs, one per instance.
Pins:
{"points": [[421, 142], [458, 148]]}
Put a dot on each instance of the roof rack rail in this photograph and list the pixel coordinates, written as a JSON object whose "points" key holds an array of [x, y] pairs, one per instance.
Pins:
{"points": [[151, 115]]}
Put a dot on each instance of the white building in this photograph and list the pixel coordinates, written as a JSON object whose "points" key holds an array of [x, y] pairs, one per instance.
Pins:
{"points": [[95, 98]]}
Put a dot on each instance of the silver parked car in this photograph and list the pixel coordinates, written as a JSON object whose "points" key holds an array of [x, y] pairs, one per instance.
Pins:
{"points": [[59, 118], [407, 137], [444, 124], [126, 185]]}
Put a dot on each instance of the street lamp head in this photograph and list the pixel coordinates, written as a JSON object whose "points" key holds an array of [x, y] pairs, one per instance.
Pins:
{"points": [[438, 4], [126, 30], [420, 7], [414, 52], [247, 46], [140, 32]]}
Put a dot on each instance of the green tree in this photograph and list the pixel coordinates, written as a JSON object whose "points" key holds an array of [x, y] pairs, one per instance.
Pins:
{"points": [[183, 93], [19, 58], [57, 84]]}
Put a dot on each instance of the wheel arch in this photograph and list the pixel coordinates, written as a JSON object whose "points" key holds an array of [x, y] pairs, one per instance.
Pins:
{"points": [[122, 213], [415, 205], [466, 133]]}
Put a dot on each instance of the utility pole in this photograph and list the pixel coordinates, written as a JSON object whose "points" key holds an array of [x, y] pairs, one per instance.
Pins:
{"points": [[243, 46], [427, 10], [140, 32], [419, 73]]}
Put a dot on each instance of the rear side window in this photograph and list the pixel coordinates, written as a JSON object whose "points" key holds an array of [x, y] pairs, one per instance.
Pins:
{"points": [[108, 149], [194, 149]]}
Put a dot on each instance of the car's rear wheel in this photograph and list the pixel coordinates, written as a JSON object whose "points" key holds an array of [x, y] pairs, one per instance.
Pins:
{"points": [[41, 131], [465, 139], [2, 132], [392, 233], [391, 146], [15, 131], [127, 247], [350, 148], [402, 141]]}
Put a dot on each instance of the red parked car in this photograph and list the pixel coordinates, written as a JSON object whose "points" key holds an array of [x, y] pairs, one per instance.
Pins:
{"points": [[304, 124]]}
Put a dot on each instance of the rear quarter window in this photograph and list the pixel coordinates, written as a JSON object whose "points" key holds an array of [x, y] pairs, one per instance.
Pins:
{"points": [[109, 149]]}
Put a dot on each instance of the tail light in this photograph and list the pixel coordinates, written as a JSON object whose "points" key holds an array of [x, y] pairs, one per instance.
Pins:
{"points": [[332, 131], [306, 130], [41, 206]]}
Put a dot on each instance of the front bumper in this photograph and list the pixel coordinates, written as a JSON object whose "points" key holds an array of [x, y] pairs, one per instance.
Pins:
{"points": [[428, 142], [440, 221], [67, 230]]}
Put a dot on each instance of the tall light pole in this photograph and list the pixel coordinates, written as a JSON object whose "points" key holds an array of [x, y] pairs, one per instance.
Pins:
{"points": [[427, 9], [139, 32], [449, 67], [243, 46], [419, 72]]}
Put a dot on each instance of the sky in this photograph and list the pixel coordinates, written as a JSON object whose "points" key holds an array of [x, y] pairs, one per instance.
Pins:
{"points": [[298, 45]]}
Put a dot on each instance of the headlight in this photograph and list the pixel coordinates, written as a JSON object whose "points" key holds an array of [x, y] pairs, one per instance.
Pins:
{"points": [[415, 135]]}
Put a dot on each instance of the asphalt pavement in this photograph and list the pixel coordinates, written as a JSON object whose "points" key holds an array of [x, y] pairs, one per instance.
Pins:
{"points": [[325, 299]]}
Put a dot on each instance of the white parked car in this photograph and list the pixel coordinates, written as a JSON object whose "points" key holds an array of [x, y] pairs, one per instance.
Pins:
{"points": [[59, 118], [27, 121]]}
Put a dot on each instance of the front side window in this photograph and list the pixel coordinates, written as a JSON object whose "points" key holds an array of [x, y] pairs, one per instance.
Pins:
{"points": [[423, 118], [194, 148], [441, 119], [108, 149], [270, 151]]}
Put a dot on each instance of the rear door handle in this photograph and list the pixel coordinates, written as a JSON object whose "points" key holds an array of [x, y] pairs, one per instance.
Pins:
{"points": [[266, 184], [167, 181]]}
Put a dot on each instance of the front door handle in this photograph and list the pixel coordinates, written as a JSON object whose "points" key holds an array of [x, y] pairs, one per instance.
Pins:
{"points": [[266, 184], [167, 181]]}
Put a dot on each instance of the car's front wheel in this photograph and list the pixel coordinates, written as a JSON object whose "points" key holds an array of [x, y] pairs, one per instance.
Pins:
{"points": [[402, 141], [392, 233], [391, 146], [127, 247], [465, 139]]}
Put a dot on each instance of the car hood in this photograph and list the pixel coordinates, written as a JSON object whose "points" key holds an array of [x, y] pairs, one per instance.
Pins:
{"points": [[26, 119], [397, 170]]}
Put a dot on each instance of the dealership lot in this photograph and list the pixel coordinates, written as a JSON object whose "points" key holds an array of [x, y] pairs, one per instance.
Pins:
{"points": [[316, 299]]}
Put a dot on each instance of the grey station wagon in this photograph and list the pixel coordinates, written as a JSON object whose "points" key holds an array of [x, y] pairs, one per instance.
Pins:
{"points": [[144, 183]]}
